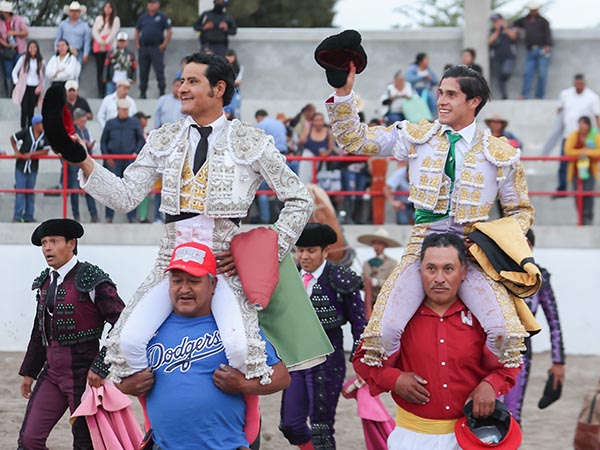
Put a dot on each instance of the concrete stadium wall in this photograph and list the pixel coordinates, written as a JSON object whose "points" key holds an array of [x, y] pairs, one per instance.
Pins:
{"points": [[280, 71], [570, 255]]}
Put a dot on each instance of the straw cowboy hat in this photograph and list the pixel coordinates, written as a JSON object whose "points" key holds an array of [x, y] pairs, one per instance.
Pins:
{"points": [[6, 7], [534, 4], [75, 6], [496, 118], [380, 235]]}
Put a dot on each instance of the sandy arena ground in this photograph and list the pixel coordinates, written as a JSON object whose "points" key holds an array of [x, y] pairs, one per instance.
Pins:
{"points": [[549, 429]]}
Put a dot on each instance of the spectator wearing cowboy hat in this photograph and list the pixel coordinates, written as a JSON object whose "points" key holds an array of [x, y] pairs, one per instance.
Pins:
{"points": [[377, 269], [75, 31], [13, 41], [538, 39], [108, 107], [497, 125]]}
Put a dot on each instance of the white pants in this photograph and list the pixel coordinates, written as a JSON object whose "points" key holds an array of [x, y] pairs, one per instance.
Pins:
{"points": [[154, 308], [403, 439]]}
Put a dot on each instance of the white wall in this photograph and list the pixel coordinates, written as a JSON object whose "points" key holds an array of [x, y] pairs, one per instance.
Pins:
{"points": [[575, 277]]}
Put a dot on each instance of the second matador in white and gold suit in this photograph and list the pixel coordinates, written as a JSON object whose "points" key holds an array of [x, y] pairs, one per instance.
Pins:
{"points": [[204, 207], [452, 186]]}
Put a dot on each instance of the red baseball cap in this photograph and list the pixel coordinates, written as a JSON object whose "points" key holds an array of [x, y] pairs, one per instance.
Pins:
{"points": [[193, 258], [500, 431]]}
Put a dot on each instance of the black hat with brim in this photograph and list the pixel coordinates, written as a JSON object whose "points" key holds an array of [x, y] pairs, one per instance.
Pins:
{"points": [[317, 235], [70, 229], [336, 52], [59, 127], [550, 394]]}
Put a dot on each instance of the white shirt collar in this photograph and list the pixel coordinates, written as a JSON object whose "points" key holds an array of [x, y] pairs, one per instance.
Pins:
{"points": [[317, 273], [65, 269], [467, 133], [217, 125]]}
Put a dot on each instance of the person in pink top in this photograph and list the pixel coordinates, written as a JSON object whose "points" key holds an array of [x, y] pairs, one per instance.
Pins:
{"points": [[13, 41]]}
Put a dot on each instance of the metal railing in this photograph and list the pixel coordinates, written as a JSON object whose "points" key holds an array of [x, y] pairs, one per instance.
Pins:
{"points": [[579, 194]]}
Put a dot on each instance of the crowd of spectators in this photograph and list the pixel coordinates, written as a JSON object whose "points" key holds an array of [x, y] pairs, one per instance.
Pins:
{"points": [[411, 95]]}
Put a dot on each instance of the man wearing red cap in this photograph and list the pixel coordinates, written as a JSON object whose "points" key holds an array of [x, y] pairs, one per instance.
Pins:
{"points": [[195, 399], [443, 361]]}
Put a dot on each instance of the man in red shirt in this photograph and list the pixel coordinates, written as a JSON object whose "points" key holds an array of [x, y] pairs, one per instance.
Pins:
{"points": [[443, 361]]}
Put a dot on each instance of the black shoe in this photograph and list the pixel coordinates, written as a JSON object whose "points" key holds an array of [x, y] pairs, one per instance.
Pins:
{"points": [[143, 95], [52, 194], [559, 189], [161, 92]]}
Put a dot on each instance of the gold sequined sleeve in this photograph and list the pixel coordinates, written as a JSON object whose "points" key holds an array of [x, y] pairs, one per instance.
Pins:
{"points": [[359, 139], [514, 196]]}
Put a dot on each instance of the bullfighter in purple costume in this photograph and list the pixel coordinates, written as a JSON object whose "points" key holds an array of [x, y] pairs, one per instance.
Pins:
{"points": [[74, 301], [335, 294], [544, 297]]}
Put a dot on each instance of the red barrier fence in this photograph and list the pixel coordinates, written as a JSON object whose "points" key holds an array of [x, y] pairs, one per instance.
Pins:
{"points": [[579, 193]]}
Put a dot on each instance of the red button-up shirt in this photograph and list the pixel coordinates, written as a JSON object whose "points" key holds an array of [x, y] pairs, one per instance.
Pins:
{"points": [[449, 352]]}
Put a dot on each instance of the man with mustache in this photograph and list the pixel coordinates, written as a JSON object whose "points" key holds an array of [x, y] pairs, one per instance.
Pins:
{"points": [[194, 398], [443, 362]]}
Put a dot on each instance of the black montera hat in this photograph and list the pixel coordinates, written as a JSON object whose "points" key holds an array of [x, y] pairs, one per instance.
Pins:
{"points": [[68, 228], [335, 53], [550, 394], [317, 235], [58, 125]]}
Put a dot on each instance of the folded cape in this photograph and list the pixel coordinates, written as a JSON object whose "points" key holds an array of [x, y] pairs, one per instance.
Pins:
{"points": [[502, 251]]}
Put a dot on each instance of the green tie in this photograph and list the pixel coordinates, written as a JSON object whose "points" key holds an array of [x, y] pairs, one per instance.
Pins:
{"points": [[450, 167]]}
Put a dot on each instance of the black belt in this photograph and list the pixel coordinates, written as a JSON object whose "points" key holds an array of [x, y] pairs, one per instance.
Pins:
{"points": [[188, 215]]}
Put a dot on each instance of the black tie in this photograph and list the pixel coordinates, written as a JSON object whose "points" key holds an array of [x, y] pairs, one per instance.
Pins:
{"points": [[51, 296], [202, 148]]}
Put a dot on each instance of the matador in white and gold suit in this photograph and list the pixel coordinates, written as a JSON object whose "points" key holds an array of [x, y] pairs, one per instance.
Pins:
{"points": [[204, 207], [486, 168]]}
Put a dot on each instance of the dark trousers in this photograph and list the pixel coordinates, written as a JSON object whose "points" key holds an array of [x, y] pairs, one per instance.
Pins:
{"points": [[562, 170], [74, 184], [30, 99], [313, 393], [588, 201], [100, 57], [120, 166], [151, 56], [218, 48], [59, 386]]}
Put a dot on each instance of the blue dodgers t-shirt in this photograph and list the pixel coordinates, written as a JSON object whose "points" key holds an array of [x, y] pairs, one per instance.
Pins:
{"points": [[186, 409]]}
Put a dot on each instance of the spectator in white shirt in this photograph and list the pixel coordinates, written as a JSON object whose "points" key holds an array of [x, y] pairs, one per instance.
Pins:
{"points": [[395, 94], [575, 102], [63, 66], [108, 107]]}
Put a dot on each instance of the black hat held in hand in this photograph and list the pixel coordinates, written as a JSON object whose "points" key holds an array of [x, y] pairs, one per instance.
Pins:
{"points": [[58, 125], [335, 53], [550, 394]]}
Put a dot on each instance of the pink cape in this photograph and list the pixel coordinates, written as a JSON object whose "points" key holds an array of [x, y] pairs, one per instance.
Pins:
{"points": [[376, 421], [109, 416]]}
